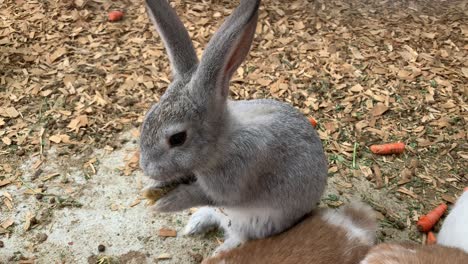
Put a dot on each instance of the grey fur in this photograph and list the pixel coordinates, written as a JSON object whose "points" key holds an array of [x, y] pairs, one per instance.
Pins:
{"points": [[178, 45], [260, 160]]}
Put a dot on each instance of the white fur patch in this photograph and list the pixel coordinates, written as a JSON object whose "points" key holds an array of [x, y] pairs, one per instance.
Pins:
{"points": [[384, 254], [454, 231], [202, 220], [251, 222], [239, 224], [339, 219]]}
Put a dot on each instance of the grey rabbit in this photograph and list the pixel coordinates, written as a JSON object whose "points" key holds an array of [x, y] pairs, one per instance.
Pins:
{"points": [[259, 165]]}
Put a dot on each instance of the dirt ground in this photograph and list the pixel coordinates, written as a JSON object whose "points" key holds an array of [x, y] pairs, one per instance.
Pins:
{"points": [[74, 88], [104, 209]]}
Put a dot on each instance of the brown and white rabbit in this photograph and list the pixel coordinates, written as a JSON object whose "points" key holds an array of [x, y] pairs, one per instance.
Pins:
{"points": [[411, 253], [452, 247], [326, 236], [259, 160]]}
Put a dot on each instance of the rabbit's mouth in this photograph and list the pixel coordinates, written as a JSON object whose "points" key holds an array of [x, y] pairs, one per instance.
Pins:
{"points": [[164, 175], [187, 179]]}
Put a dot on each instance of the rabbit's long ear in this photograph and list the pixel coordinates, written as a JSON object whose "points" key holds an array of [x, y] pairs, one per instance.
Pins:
{"points": [[176, 39], [226, 50]]}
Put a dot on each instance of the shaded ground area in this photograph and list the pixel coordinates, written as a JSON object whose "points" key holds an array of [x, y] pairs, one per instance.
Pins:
{"points": [[74, 89], [77, 213]]}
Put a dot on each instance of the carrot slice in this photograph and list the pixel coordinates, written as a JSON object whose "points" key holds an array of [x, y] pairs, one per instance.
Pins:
{"points": [[428, 221], [313, 121], [115, 15], [389, 148], [431, 239]]}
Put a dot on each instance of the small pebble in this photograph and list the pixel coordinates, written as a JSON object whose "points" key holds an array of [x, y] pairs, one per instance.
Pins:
{"points": [[36, 174], [20, 152], [52, 200], [39, 196], [62, 151], [1, 244], [41, 237], [115, 145], [101, 248], [198, 258], [33, 221]]}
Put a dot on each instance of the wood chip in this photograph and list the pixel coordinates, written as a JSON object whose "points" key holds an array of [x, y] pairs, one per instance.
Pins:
{"points": [[78, 122], [8, 203], [403, 181], [448, 198], [407, 192], [29, 221], [136, 202], [49, 176], [57, 54], [167, 232], [7, 141], [164, 256], [5, 182], [378, 177], [7, 223], [379, 109], [356, 53], [356, 88], [33, 191], [8, 196], [465, 72], [11, 112], [406, 174]]}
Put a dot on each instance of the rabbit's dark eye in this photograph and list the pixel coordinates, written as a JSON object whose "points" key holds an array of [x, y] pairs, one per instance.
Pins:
{"points": [[178, 139]]}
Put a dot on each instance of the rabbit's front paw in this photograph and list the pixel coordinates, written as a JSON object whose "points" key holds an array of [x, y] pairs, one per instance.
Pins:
{"points": [[182, 197], [175, 200], [230, 243], [202, 221]]}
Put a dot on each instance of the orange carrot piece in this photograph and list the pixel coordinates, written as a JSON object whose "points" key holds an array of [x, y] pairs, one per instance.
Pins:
{"points": [[428, 221], [431, 239], [115, 15], [389, 148], [313, 121]]}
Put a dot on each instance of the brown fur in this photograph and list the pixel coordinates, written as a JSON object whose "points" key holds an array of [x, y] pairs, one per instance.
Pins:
{"points": [[407, 253], [311, 241]]}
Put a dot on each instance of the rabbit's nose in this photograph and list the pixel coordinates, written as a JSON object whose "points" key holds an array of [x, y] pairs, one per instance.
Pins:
{"points": [[146, 166], [150, 169]]}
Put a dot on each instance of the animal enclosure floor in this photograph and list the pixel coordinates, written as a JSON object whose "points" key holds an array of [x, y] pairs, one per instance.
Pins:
{"points": [[74, 88]]}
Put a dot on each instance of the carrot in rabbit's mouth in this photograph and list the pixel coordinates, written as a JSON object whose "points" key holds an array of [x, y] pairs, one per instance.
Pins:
{"points": [[153, 193]]}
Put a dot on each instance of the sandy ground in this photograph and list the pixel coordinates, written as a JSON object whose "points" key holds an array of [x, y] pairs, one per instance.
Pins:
{"points": [[105, 217]]}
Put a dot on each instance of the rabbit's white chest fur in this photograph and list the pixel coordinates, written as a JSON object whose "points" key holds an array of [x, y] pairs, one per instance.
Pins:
{"points": [[257, 222], [239, 224]]}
